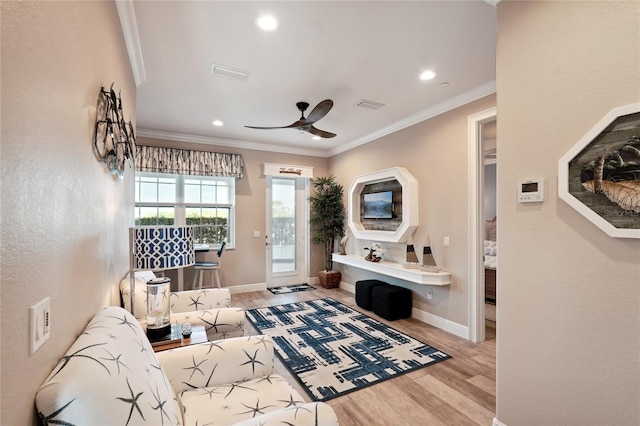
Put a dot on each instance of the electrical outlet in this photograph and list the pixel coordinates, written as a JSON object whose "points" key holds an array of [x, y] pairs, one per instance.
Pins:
{"points": [[429, 294], [39, 324], [446, 241]]}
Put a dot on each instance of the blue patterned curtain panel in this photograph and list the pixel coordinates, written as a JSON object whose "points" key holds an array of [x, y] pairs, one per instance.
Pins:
{"points": [[188, 162]]}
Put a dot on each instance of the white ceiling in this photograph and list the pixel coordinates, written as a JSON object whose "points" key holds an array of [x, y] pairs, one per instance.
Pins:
{"points": [[344, 51]]}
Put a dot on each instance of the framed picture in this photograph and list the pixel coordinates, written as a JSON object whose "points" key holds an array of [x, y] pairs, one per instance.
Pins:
{"points": [[600, 175]]}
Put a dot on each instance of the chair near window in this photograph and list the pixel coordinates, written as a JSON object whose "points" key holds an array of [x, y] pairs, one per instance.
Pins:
{"points": [[213, 267]]}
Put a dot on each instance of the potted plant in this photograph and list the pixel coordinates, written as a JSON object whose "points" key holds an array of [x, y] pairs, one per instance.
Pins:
{"points": [[327, 223]]}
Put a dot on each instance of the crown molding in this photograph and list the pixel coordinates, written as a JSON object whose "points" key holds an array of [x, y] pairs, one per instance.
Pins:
{"points": [[127, 15], [448, 105], [205, 140]]}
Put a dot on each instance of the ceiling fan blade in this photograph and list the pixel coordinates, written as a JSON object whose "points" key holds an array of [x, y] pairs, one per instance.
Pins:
{"points": [[266, 128], [320, 133], [306, 124], [298, 124], [295, 125], [276, 127], [319, 111]]}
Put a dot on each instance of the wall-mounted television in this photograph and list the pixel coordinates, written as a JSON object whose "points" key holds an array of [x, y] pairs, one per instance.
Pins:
{"points": [[378, 205]]}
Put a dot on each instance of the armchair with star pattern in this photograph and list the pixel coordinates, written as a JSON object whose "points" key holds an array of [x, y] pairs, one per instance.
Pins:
{"points": [[210, 308], [111, 376]]}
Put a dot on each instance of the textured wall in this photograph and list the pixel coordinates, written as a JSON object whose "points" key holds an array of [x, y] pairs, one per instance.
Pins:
{"points": [[568, 317], [64, 219], [435, 153]]}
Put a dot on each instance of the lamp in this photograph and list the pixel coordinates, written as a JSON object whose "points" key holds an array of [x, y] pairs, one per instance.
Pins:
{"points": [[157, 248], [158, 307], [114, 140]]}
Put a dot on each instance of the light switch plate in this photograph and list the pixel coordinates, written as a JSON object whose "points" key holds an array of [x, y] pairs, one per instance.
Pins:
{"points": [[39, 324]]}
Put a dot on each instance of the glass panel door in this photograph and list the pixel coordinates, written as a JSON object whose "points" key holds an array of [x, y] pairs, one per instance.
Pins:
{"points": [[286, 231]]}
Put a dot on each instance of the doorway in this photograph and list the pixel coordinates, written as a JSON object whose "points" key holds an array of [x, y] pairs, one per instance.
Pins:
{"points": [[475, 125], [489, 216], [286, 231]]}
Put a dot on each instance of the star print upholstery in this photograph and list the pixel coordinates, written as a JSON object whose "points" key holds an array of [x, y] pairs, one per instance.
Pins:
{"points": [[208, 307], [111, 376]]}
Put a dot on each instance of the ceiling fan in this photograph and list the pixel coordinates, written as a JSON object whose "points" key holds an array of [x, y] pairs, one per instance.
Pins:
{"points": [[306, 124]]}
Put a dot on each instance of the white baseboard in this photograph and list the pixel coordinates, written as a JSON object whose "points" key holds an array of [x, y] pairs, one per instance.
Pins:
{"points": [[351, 288], [434, 320], [441, 323], [247, 288], [497, 422]]}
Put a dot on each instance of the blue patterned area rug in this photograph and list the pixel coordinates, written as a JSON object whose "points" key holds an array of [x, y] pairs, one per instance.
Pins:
{"points": [[332, 349], [291, 288]]}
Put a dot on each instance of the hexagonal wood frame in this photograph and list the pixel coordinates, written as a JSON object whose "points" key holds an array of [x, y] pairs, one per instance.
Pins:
{"points": [[588, 141]]}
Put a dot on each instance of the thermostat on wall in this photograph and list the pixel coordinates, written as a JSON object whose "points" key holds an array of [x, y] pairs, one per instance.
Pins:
{"points": [[531, 190]]}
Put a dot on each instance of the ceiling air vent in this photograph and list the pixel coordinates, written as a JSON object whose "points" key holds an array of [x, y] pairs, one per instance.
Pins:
{"points": [[223, 71], [364, 103]]}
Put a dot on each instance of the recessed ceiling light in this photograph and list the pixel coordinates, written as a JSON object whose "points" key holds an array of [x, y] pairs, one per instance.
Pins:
{"points": [[267, 22], [427, 75], [445, 84], [316, 138], [217, 123]]}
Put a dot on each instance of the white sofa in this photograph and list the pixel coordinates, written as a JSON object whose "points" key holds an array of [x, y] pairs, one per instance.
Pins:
{"points": [[208, 307], [111, 376]]}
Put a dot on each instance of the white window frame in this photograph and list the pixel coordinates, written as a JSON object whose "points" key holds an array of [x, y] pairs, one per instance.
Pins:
{"points": [[180, 206]]}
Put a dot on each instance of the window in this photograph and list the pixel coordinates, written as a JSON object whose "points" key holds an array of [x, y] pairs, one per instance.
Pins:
{"points": [[206, 203], [156, 198]]}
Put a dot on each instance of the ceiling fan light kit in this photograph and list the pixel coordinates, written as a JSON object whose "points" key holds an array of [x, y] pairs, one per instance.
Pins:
{"points": [[306, 124]]}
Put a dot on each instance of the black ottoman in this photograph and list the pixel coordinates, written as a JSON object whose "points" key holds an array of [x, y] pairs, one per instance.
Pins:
{"points": [[364, 290], [392, 302]]}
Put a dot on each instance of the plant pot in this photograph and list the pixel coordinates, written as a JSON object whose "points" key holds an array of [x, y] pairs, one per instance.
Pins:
{"points": [[329, 279]]}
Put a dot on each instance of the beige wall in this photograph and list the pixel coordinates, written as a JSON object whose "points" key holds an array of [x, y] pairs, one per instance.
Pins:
{"points": [[435, 153], [569, 295], [246, 264], [64, 219]]}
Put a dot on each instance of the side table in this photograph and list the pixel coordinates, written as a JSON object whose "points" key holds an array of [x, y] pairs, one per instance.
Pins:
{"points": [[175, 340]]}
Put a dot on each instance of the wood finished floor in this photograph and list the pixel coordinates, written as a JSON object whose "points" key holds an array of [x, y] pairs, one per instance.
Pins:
{"points": [[459, 391]]}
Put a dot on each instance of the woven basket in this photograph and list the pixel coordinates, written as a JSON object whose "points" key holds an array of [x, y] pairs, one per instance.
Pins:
{"points": [[329, 279]]}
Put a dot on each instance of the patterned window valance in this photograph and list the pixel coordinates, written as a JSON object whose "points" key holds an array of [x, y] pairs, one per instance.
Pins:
{"points": [[188, 162]]}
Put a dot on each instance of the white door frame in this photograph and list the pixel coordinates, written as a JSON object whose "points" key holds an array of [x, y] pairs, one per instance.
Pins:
{"points": [[476, 228], [302, 235]]}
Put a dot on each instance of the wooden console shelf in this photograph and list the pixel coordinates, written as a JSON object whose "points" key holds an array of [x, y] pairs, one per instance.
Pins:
{"points": [[396, 270]]}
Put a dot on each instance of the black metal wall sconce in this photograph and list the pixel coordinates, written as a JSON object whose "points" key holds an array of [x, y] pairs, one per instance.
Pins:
{"points": [[114, 139]]}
